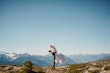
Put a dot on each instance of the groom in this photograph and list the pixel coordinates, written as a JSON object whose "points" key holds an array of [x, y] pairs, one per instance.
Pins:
{"points": [[53, 52]]}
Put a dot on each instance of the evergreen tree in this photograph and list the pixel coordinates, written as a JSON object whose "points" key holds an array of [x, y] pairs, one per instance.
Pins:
{"points": [[27, 67]]}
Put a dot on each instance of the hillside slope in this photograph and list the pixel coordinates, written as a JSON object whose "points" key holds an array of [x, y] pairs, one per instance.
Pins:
{"points": [[102, 66]]}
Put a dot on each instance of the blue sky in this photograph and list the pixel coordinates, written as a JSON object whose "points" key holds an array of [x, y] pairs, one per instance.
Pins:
{"points": [[73, 26]]}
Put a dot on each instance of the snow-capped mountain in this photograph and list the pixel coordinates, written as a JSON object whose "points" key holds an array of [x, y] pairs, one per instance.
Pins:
{"points": [[89, 58], [19, 59], [38, 60], [13, 56]]}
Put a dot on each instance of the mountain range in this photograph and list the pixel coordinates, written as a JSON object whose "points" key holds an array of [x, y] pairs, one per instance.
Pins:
{"points": [[39, 60]]}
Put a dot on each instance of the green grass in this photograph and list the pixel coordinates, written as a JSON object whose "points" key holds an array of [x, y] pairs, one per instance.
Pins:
{"points": [[38, 70], [76, 68], [34, 70], [95, 71]]}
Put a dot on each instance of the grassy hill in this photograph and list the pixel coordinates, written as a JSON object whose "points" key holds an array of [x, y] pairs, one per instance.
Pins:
{"points": [[102, 66]]}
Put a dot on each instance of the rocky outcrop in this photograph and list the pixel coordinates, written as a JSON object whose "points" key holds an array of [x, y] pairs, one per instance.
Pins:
{"points": [[9, 69], [61, 69], [102, 66]]}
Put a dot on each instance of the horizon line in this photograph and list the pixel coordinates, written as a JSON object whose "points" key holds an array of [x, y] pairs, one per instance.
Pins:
{"points": [[59, 53]]}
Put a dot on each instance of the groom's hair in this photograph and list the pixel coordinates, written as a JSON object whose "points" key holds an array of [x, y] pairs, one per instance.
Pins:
{"points": [[52, 46]]}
